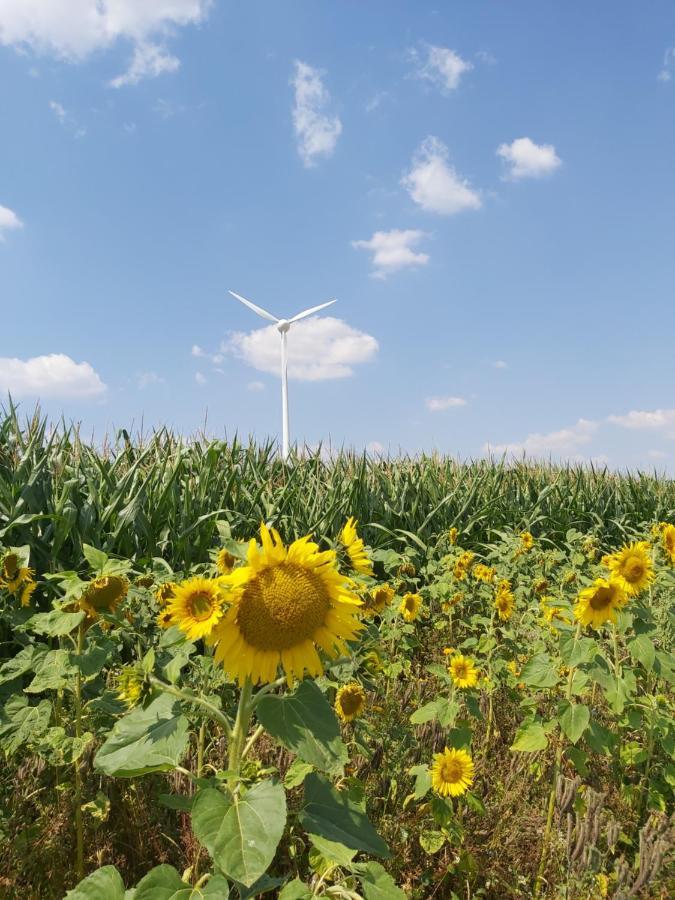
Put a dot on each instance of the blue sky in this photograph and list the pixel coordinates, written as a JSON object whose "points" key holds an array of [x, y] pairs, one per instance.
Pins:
{"points": [[487, 189]]}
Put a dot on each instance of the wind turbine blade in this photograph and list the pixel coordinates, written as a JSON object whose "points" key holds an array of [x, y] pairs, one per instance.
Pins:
{"points": [[256, 309], [309, 312]]}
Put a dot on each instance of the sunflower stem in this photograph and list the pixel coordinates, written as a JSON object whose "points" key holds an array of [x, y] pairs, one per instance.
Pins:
{"points": [[212, 710], [79, 828], [241, 724]]}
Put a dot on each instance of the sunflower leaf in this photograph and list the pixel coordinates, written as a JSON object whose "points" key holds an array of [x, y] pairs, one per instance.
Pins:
{"points": [[105, 882]]}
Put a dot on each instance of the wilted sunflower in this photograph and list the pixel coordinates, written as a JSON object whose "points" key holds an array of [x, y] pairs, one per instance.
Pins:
{"points": [[526, 541], [406, 570], [165, 618], [197, 606], [540, 586], [668, 541], [13, 575], [463, 671], [145, 581], [284, 603], [452, 772], [104, 595], [632, 566], [225, 561], [350, 701], [453, 534], [484, 573], [598, 603], [355, 548], [377, 600], [410, 607], [504, 602], [165, 592]]}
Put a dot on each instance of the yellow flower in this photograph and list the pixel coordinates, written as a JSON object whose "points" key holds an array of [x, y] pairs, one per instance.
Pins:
{"points": [[350, 701], [632, 566], [526, 541], [602, 884], [453, 534], [131, 685], [225, 561], [165, 618], [598, 603], [452, 772], [551, 612], [377, 600], [197, 606], [657, 529], [590, 546], [13, 576], [463, 671], [284, 604], [668, 541], [463, 565], [504, 603], [410, 607], [165, 592], [355, 548], [27, 592], [448, 651], [104, 595], [484, 573], [512, 666]]}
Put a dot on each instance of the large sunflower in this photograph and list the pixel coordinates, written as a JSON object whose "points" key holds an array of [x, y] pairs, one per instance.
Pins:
{"points": [[350, 701], [463, 671], [355, 548], [598, 603], [284, 604], [104, 595], [452, 772], [504, 601], [197, 606], [225, 561], [632, 566]]}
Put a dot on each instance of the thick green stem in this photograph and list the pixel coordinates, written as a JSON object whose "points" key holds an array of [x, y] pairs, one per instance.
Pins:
{"points": [[212, 710], [79, 827], [240, 729]]}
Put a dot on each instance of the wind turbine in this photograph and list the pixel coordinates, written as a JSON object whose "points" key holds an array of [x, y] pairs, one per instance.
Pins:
{"points": [[283, 326]]}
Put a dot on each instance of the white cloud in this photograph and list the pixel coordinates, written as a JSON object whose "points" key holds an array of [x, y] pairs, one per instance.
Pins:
{"points": [[392, 250], [200, 378], [316, 131], [66, 120], [435, 185], [255, 386], [441, 66], [643, 420], [666, 72], [376, 101], [563, 442], [500, 364], [527, 159], [440, 404], [149, 61], [197, 350], [318, 348], [54, 375], [147, 379], [74, 29], [9, 221]]}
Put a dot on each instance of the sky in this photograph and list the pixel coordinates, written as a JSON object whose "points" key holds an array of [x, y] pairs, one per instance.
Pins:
{"points": [[486, 188]]}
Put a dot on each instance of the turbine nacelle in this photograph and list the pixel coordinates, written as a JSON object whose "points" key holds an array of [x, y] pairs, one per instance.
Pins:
{"points": [[283, 326]]}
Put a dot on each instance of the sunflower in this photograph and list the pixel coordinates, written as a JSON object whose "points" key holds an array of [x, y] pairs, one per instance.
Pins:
{"points": [[668, 541], [13, 575], [406, 570], [453, 534], [197, 606], [284, 603], [355, 548], [463, 565], [165, 592], [632, 566], [104, 595], [145, 581], [526, 541], [484, 573], [540, 586], [598, 603], [463, 671], [131, 685], [512, 666], [504, 603], [165, 618], [225, 561], [350, 701], [410, 607], [551, 612], [27, 592], [377, 600], [452, 772]]}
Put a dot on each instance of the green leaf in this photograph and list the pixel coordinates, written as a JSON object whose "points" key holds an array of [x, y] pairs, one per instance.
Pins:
{"points": [[539, 672], [530, 738], [333, 851], [643, 650], [422, 780], [96, 558], [576, 652], [23, 662], [295, 890], [296, 774], [431, 841], [55, 623], [241, 834], [332, 815], [377, 883], [164, 883], [53, 671], [599, 739], [574, 719], [579, 759], [150, 739], [21, 724], [103, 883], [305, 724], [443, 710]]}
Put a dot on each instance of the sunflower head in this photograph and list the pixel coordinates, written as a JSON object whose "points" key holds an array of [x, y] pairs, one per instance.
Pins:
{"points": [[165, 592], [145, 581], [350, 701], [131, 685], [10, 566], [504, 603], [165, 618], [27, 592], [632, 566], [484, 573], [197, 606], [355, 548], [599, 603], [410, 607], [406, 570], [526, 541], [453, 534], [668, 541], [372, 662], [103, 595], [225, 561], [463, 671], [377, 600], [540, 586], [463, 565], [284, 604], [452, 772]]}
